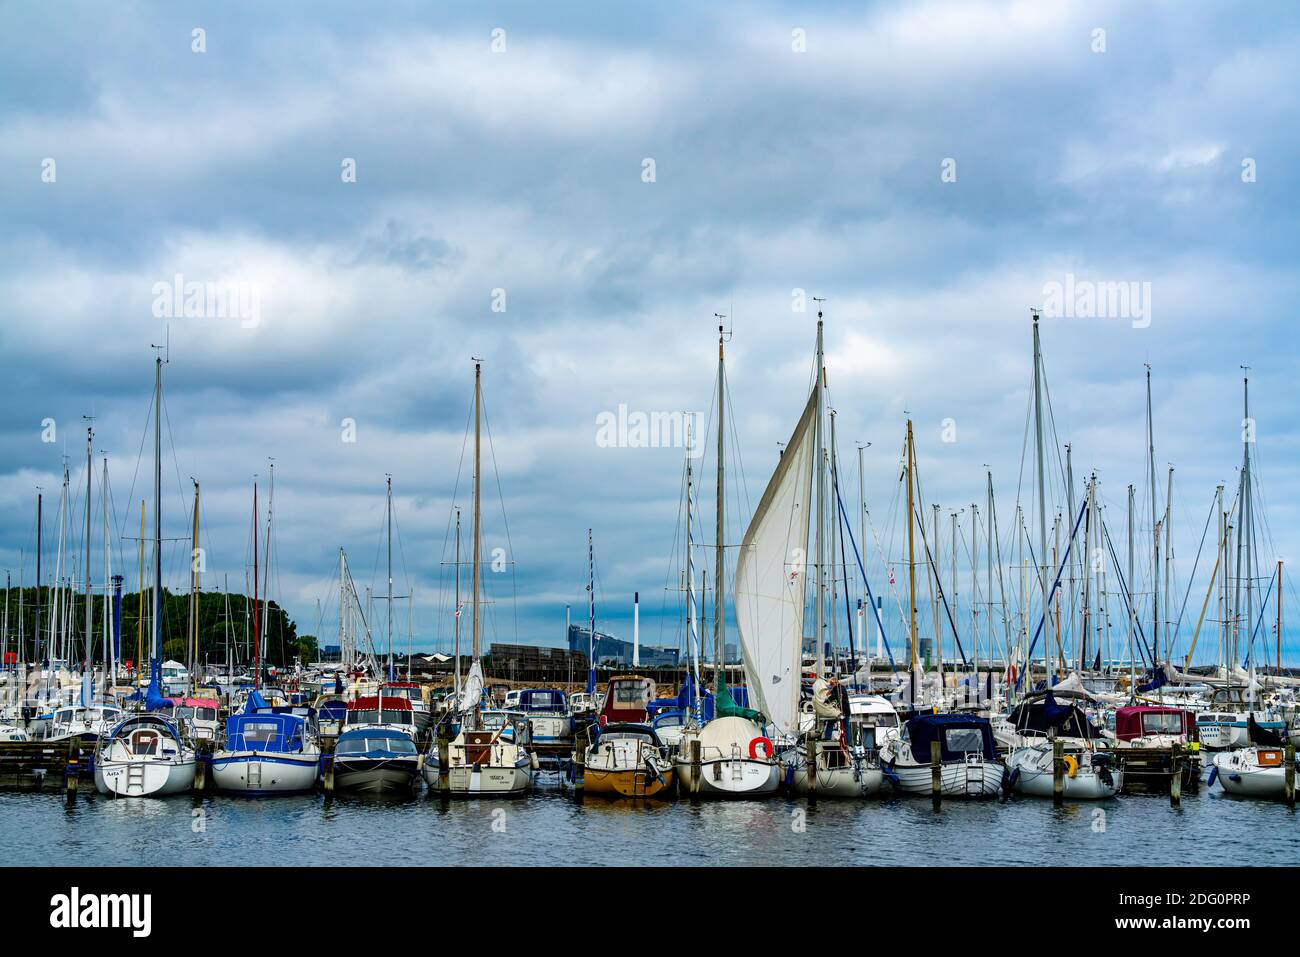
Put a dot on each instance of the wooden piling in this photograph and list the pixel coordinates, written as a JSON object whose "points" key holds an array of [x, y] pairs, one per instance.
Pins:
{"points": [[810, 748], [1058, 773], [72, 769], [1176, 780], [1289, 753], [327, 765], [936, 775], [444, 765], [697, 768]]}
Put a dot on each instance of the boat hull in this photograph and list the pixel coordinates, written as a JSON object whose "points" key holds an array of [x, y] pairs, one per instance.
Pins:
{"points": [[144, 778], [256, 772], [1245, 779], [958, 779], [376, 775], [628, 782], [729, 777], [847, 782], [482, 781]]}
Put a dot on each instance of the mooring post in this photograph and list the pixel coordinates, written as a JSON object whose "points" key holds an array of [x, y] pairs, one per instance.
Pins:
{"points": [[327, 768], [936, 775], [1058, 772], [810, 747], [579, 766], [444, 764], [697, 768], [1290, 774], [72, 769], [1176, 780]]}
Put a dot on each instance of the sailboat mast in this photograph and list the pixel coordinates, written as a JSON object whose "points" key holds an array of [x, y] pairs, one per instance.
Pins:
{"points": [[456, 650], [39, 535], [110, 610], [911, 562], [194, 586], [719, 573], [477, 532], [257, 627], [87, 662], [1042, 494], [389, 509], [157, 509], [819, 589], [1247, 534], [1155, 531]]}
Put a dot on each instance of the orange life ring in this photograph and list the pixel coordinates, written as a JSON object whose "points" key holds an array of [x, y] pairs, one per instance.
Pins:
{"points": [[766, 742]]}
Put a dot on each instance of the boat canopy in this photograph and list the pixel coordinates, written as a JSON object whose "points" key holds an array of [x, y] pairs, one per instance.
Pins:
{"points": [[264, 732], [1138, 720], [627, 729], [391, 703], [374, 742], [1044, 714], [144, 719], [542, 699], [957, 734]]}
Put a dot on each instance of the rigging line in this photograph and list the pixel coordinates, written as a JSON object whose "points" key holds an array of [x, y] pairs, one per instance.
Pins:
{"points": [[1135, 620], [1042, 619], [144, 435], [505, 520], [942, 597], [1192, 577], [870, 598]]}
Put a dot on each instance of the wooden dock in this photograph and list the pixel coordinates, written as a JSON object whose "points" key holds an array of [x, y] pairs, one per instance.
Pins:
{"points": [[43, 765]]}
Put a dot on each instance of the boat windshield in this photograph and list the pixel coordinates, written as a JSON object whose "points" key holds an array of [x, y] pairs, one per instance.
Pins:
{"points": [[963, 739], [197, 714], [376, 717], [363, 745], [1162, 723]]}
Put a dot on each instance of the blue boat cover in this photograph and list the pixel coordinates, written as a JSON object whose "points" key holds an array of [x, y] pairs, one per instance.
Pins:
{"points": [[153, 696], [925, 728], [264, 732]]}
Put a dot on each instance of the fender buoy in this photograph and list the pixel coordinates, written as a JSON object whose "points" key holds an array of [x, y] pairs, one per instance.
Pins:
{"points": [[766, 742], [1071, 765], [604, 718]]}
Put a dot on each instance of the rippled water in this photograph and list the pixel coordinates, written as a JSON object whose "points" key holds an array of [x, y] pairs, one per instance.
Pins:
{"points": [[549, 827]]}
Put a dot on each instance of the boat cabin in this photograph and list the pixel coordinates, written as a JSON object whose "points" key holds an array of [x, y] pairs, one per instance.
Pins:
{"points": [[958, 735], [147, 735], [279, 733], [627, 700], [382, 710], [374, 741], [1144, 721]]}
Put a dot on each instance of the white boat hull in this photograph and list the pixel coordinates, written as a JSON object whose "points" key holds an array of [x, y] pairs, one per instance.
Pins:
{"points": [[1242, 777], [729, 777], [867, 781], [1032, 771], [978, 779], [145, 778], [256, 772], [483, 781]]}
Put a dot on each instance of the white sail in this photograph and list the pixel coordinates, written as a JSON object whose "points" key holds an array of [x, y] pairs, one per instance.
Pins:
{"points": [[472, 690], [771, 580]]}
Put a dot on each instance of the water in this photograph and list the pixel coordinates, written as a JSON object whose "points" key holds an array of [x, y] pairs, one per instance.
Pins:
{"points": [[551, 828]]}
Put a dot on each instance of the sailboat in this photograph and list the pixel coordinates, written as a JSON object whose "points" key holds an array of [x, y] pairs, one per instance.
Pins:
{"points": [[967, 752], [145, 754], [1090, 770], [482, 761], [732, 756]]}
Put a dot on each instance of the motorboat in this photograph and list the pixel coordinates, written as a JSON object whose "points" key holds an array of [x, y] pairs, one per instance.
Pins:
{"points": [[375, 758], [627, 760], [968, 760], [266, 753]]}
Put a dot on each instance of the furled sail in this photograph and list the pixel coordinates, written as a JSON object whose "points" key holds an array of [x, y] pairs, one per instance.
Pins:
{"points": [[472, 691], [771, 580]]}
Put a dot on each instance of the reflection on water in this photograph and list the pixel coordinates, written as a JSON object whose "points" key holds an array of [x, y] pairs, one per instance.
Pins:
{"points": [[549, 827]]}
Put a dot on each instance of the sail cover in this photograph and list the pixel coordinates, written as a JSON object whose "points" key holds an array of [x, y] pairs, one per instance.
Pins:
{"points": [[771, 578], [472, 691]]}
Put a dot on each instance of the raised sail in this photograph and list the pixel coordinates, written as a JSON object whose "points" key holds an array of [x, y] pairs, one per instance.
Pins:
{"points": [[771, 579]]}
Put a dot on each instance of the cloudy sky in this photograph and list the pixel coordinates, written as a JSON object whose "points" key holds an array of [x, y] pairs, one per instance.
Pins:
{"points": [[570, 192]]}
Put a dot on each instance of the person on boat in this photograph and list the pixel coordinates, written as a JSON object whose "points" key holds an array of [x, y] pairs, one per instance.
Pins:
{"points": [[825, 700]]}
